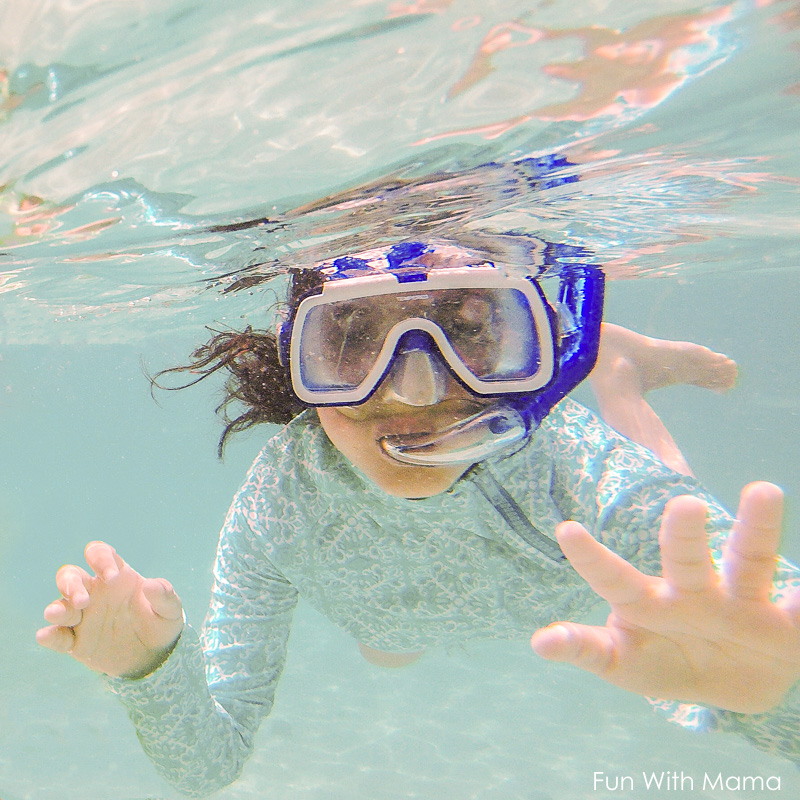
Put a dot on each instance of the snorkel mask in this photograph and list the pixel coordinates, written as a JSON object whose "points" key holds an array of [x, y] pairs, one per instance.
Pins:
{"points": [[413, 312]]}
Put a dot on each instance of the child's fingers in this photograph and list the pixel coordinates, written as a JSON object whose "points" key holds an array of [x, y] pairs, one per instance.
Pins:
{"points": [[749, 555], [62, 612], [685, 558], [103, 559], [56, 637], [72, 582], [611, 576], [161, 596], [585, 646]]}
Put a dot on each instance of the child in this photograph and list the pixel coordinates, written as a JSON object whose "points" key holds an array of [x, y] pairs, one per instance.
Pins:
{"points": [[415, 496]]}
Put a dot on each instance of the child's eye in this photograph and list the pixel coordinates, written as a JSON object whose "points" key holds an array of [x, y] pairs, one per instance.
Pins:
{"points": [[472, 317], [359, 326], [468, 327]]}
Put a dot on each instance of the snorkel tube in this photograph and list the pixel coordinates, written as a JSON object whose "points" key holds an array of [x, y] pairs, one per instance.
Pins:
{"points": [[506, 425]]}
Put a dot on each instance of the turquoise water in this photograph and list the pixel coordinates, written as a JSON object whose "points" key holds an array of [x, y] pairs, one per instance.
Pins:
{"points": [[130, 132]]}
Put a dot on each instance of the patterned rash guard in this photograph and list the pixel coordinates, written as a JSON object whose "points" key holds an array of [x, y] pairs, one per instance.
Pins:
{"points": [[403, 575]]}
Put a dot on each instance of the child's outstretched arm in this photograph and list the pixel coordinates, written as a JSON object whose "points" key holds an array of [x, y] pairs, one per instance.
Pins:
{"points": [[116, 622], [696, 634]]}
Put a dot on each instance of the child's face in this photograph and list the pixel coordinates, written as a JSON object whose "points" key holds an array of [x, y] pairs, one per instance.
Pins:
{"points": [[356, 432]]}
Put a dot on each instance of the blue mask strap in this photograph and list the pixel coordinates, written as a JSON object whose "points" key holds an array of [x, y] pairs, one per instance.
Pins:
{"points": [[581, 297]]}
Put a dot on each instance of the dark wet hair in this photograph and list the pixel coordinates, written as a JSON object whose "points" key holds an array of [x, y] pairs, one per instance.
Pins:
{"points": [[258, 385]]}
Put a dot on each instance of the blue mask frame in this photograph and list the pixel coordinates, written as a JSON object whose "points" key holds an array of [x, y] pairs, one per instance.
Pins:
{"points": [[581, 294]]}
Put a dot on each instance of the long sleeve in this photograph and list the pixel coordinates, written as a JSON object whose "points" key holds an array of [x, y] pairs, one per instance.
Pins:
{"points": [[196, 716]]}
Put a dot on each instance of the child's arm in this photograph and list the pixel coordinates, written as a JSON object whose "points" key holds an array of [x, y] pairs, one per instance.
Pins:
{"points": [[197, 715], [196, 705], [700, 635]]}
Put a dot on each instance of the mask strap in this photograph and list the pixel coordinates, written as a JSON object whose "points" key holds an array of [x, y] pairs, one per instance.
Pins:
{"points": [[581, 294]]}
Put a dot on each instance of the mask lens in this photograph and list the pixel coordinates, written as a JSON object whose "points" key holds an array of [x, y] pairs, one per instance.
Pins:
{"points": [[340, 344], [492, 331], [489, 333]]}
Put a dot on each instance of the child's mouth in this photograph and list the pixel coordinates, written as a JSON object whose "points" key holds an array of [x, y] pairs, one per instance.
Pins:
{"points": [[423, 423]]}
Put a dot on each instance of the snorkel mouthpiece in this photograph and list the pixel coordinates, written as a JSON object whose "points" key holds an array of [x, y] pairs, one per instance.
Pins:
{"points": [[487, 433]]}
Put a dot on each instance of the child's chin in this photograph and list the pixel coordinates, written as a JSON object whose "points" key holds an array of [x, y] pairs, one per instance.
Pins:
{"points": [[413, 482]]}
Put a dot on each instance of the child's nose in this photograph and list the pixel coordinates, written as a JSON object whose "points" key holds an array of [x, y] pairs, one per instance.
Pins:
{"points": [[417, 378]]}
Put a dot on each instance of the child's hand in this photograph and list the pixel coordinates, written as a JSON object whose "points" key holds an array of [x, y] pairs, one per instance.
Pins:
{"points": [[692, 635], [117, 622]]}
